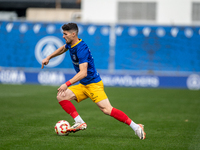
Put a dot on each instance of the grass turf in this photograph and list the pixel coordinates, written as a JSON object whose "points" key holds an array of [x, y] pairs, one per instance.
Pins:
{"points": [[171, 117]]}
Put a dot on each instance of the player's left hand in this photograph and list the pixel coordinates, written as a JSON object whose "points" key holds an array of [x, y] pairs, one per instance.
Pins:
{"points": [[62, 89]]}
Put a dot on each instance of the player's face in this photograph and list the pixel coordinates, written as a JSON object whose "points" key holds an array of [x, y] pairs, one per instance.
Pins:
{"points": [[68, 36]]}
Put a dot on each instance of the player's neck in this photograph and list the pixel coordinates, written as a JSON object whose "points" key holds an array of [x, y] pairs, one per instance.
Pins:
{"points": [[76, 40]]}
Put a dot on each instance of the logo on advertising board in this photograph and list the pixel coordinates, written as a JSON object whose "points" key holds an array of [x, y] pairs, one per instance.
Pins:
{"points": [[52, 78], [193, 82], [45, 47], [131, 81], [12, 76]]}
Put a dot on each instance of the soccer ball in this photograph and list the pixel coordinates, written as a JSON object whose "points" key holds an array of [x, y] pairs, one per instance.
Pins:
{"points": [[61, 127]]}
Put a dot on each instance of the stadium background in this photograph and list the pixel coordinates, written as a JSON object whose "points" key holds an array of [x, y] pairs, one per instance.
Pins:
{"points": [[131, 49], [136, 43]]}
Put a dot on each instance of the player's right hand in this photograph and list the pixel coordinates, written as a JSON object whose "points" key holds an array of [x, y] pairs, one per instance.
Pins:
{"points": [[45, 62], [62, 89]]}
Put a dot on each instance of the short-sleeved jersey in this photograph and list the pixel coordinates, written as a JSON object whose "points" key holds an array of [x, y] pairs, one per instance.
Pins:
{"points": [[80, 53]]}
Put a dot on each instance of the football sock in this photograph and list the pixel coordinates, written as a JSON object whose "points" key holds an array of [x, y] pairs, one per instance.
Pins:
{"points": [[120, 115], [79, 119], [134, 126], [71, 110]]}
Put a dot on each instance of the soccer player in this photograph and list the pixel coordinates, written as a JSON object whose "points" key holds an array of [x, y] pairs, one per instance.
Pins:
{"points": [[90, 84]]}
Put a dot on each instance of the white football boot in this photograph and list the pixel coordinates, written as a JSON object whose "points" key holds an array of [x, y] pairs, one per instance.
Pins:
{"points": [[77, 127], [140, 132]]}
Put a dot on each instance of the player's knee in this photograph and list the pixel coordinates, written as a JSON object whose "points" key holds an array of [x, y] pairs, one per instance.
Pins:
{"points": [[68, 95], [59, 98]]}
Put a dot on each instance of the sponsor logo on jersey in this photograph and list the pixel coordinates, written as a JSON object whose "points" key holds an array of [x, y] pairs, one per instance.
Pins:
{"points": [[75, 63]]}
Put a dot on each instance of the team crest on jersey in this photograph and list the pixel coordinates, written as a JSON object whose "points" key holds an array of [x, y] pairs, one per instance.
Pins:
{"points": [[74, 57]]}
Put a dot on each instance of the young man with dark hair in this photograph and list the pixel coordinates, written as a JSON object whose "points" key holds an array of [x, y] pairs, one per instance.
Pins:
{"points": [[90, 86]]}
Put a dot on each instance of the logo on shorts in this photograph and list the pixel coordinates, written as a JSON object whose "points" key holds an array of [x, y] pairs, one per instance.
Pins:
{"points": [[93, 97], [45, 47]]}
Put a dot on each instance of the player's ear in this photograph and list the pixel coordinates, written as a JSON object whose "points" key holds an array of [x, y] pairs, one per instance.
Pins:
{"points": [[74, 33]]}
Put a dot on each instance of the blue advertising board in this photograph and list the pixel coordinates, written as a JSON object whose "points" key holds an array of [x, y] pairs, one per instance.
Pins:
{"points": [[154, 56], [46, 77]]}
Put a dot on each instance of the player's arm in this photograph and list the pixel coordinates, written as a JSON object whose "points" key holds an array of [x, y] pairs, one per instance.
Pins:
{"points": [[80, 75], [59, 51]]}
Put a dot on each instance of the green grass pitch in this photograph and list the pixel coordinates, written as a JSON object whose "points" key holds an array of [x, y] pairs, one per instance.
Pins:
{"points": [[171, 117]]}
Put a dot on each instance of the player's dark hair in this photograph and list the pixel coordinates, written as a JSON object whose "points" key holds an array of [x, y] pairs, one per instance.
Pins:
{"points": [[70, 26]]}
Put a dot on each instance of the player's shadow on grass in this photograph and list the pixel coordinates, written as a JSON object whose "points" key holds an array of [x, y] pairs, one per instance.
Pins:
{"points": [[88, 135]]}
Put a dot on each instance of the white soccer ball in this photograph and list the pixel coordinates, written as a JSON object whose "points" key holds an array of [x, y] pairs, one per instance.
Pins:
{"points": [[61, 127]]}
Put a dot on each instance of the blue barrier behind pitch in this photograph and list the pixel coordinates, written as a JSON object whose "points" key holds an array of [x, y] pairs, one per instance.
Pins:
{"points": [[161, 51]]}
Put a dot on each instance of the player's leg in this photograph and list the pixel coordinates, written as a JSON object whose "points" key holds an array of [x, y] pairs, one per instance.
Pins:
{"points": [[107, 109], [96, 92], [65, 102], [100, 98]]}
